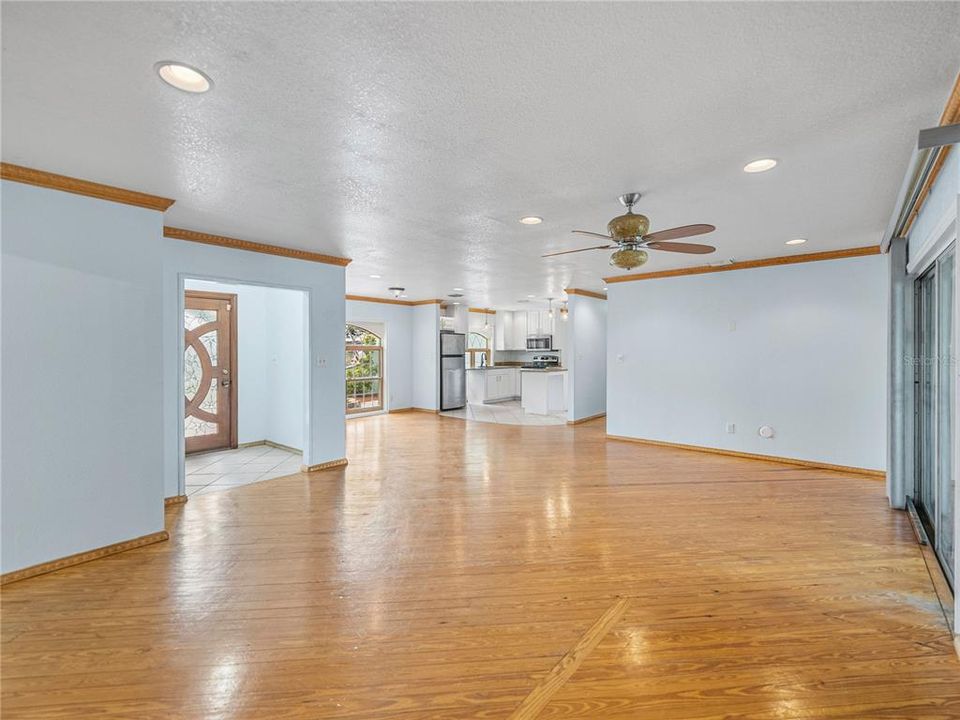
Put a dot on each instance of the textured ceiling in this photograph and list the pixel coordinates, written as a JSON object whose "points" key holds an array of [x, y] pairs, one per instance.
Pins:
{"points": [[411, 137]]}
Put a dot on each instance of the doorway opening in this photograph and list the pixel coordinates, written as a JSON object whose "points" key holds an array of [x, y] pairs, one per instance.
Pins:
{"points": [[244, 383], [934, 482]]}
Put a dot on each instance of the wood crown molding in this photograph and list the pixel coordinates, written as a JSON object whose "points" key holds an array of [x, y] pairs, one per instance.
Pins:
{"points": [[950, 115], [484, 311], [748, 264], [174, 500], [585, 293], [323, 466], [83, 557], [393, 301], [41, 178], [235, 244], [755, 456]]}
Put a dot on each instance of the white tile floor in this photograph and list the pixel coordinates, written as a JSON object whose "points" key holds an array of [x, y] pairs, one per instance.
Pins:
{"points": [[215, 471], [506, 413]]}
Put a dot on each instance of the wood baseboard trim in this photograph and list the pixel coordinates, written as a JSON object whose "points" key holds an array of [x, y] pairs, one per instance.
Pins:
{"points": [[880, 474], [323, 466], [64, 183], [586, 419], [413, 409], [78, 558], [270, 443], [425, 410], [400, 410], [174, 500]]}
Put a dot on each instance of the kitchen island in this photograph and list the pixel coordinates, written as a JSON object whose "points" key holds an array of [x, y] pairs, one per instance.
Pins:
{"points": [[492, 383], [543, 391]]}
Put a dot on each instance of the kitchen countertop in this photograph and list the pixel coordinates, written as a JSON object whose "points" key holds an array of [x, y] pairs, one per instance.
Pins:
{"points": [[543, 370], [495, 367]]}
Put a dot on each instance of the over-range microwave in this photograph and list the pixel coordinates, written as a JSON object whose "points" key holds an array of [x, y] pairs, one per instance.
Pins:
{"points": [[540, 342]]}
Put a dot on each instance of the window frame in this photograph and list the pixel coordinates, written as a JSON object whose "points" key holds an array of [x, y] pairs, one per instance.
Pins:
{"points": [[358, 347], [472, 352]]}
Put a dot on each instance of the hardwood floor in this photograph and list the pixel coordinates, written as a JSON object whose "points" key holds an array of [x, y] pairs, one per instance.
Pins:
{"points": [[471, 570]]}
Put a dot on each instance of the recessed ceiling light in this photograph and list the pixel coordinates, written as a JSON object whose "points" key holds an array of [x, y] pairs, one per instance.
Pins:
{"points": [[531, 220], [458, 289], [761, 165], [530, 296], [796, 241], [376, 277], [183, 77]]}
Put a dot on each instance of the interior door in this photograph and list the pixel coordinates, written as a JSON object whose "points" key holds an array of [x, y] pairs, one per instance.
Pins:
{"points": [[209, 368]]}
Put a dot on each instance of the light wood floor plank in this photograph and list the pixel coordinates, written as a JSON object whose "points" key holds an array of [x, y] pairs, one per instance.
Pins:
{"points": [[451, 571]]}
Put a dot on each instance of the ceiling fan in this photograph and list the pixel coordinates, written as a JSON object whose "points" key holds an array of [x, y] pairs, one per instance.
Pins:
{"points": [[629, 234]]}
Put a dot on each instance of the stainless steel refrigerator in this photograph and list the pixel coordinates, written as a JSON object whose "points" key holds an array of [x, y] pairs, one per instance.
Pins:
{"points": [[453, 371]]}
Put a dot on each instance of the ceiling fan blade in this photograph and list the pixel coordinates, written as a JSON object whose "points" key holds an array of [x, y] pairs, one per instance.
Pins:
{"points": [[689, 248], [587, 232], [679, 232], [567, 252]]}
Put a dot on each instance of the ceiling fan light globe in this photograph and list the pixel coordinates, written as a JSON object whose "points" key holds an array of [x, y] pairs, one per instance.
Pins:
{"points": [[628, 259], [628, 226]]}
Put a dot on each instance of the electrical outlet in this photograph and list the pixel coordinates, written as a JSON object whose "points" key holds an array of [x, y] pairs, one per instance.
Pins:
{"points": [[731, 428], [321, 361]]}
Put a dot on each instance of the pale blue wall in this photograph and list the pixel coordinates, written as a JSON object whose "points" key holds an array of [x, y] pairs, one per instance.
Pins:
{"points": [[81, 374], [802, 348], [398, 353], [325, 436]]}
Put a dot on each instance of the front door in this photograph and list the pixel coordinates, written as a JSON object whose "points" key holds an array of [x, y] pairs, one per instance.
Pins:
{"points": [[209, 368]]}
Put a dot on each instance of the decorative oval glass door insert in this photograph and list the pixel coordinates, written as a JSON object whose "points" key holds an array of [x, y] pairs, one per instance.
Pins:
{"points": [[208, 385]]}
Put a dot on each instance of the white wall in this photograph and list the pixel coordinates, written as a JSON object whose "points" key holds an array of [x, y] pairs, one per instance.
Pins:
{"points": [[425, 356], [398, 342], [802, 348], [286, 331], [270, 361], [81, 374], [323, 355], [585, 357]]}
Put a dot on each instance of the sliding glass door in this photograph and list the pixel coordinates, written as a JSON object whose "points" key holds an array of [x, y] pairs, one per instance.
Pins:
{"points": [[934, 478]]}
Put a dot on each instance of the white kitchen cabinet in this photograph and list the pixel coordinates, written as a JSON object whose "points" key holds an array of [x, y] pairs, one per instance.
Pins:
{"points": [[504, 330], [519, 336], [493, 384], [560, 332]]}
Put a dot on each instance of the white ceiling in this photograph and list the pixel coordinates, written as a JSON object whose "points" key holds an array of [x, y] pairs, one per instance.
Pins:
{"points": [[411, 137]]}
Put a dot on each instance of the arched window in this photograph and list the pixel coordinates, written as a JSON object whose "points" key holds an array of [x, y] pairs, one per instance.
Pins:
{"points": [[478, 345], [364, 362]]}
